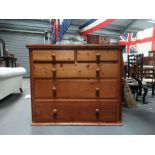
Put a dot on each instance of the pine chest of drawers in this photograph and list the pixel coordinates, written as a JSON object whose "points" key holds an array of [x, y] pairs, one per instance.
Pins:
{"points": [[76, 84]]}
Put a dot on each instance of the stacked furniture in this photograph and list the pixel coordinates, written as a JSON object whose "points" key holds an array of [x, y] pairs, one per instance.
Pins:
{"points": [[149, 70], [135, 72], [76, 84], [135, 62]]}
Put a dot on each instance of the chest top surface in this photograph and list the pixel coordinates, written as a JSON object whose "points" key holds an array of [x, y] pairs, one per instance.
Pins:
{"points": [[92, 46]]}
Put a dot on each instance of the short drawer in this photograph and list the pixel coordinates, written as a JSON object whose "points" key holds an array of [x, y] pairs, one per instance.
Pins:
{"points": [[53, 55], [106, 89], [75, 111], [97, 55], [79, 70]]}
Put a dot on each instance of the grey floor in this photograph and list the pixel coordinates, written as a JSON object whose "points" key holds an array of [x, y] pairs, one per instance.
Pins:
{"points": [[15, 119]]}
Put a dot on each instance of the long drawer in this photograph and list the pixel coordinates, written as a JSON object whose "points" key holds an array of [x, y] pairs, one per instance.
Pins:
{"points": [[79, 70], [75, 111], [106, 89], [53, 55], [97, 55]]}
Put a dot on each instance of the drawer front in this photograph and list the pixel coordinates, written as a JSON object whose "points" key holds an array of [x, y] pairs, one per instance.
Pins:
{"points": [[75, 111], [79, 70], [53, 55], [106, 89], [97, 55]]}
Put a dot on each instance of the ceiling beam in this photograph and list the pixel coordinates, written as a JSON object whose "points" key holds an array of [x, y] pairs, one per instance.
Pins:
{"points": [[128, 25]]}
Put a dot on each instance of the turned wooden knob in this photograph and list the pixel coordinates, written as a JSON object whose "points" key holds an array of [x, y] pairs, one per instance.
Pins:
{"points": [[97, 91], [55, 112], [98, 56], [53, 56], [54, 91], [98, 71], [97, 112], [54, 71]]}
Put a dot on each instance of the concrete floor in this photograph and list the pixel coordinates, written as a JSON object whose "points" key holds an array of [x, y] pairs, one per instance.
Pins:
{"points": [[15, 119]]}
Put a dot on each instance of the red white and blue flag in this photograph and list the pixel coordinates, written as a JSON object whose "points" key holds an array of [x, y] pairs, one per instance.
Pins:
{"points": [[59, 28], [129, 40], [140, 42], [94, 25]]}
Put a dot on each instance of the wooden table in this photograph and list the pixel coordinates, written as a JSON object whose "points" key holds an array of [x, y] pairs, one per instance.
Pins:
{"points": [[9, 60], [136, 88]]}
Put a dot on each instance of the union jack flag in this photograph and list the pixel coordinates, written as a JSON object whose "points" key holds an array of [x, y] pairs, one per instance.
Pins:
{"points": [[129, 40], [142, 41]]}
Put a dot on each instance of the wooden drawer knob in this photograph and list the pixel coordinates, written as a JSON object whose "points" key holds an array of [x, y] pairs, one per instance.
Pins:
{"points": [[55, 112], [98, 71], [54, 71], [54, 91], [98, 56], [97, 112], [97, 92], [53, 56]]}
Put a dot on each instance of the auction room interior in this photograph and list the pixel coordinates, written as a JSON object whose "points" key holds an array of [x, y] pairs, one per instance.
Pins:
{"points": [[77, 77]]}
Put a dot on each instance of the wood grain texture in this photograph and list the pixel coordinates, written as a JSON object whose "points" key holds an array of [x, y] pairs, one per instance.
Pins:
{"points": [[78, 70], [75, 111], [76, 84], [76, 88], [53, 55], [97, 55], [74, 47]]}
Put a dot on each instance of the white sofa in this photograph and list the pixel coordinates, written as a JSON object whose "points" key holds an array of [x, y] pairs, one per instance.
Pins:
{"points": [[11, 80]]}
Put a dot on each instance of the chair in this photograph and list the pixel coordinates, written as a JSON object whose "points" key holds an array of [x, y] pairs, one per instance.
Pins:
{"points": [[149, 71], [137, 61], [135, 71]]}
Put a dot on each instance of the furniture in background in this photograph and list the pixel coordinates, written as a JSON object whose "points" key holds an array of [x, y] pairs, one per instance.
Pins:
{"points": [[149, 70], [137, 87], [10, 80], [152, 55], [135, 72], [8, 58], [135, 60], [97, 39], [76, 84], [9, 61]]}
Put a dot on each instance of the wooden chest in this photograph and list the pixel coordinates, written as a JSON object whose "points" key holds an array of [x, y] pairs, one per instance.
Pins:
{"points": [[76, 84]]}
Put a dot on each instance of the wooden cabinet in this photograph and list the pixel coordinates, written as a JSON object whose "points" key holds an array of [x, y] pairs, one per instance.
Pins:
{"points": [[76, 84]]}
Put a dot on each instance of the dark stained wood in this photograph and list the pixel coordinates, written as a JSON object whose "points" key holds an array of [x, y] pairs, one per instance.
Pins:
{"points": [[75, 111], [76, 84]]}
